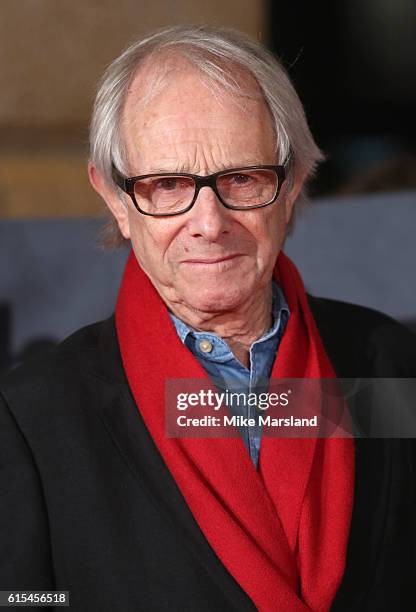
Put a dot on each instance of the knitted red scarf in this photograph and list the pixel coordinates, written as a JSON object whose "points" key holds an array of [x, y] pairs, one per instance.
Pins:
{"points": [[280, 531]]}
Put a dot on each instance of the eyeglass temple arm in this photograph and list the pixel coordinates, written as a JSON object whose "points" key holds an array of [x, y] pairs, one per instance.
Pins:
{"points": [[287, 163], [118, 179]]}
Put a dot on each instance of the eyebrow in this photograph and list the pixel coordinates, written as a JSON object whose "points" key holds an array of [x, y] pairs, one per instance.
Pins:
{"points": [[178, 168], [184, 168]]}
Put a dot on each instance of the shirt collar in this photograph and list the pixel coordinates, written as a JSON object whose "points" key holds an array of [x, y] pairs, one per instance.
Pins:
{"points": [[221, 350]]}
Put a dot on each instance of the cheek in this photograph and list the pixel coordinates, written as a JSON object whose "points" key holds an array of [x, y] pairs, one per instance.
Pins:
{"points": [[151, 240], [269, 231]]}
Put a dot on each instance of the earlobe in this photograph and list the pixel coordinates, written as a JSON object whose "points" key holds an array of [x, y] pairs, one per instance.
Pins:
{"points": [[117, 206]]}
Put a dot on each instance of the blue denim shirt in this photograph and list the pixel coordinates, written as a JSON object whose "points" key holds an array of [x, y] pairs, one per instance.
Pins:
{"points": [[227, 372]]}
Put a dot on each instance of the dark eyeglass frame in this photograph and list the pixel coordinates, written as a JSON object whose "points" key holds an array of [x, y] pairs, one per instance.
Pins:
{"points": [[127, 185]]}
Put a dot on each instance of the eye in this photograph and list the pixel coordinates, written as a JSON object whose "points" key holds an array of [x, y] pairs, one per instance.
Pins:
{"points": [[240, 179], [167, 183]]}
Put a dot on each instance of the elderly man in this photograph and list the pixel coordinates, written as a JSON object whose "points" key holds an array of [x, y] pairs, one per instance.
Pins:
{"points": [[201, 150]]}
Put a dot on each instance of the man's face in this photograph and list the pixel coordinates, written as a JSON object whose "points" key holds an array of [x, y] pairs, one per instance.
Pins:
{"points": [[208, 259]]}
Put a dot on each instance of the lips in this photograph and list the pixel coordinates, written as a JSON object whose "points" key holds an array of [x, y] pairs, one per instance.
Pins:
{"points": [[213, 260]]}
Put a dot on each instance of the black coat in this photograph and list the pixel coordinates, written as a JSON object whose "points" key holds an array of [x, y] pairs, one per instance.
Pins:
{"points": [[88, 505]]}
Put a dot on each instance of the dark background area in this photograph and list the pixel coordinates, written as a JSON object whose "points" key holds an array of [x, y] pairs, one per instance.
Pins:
{"points": [[354, 66]]}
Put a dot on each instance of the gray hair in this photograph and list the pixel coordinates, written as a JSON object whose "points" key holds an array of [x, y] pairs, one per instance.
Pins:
{"points": [[216, 53]]}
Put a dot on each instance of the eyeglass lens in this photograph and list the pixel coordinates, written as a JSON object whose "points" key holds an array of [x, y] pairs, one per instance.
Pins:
{"points": [[168, 194]]}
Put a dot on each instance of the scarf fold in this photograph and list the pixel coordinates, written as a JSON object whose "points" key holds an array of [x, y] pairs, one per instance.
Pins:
{"points": [[281, 531]]}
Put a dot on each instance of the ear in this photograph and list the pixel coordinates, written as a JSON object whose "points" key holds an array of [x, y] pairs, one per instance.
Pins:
{"points": [[115, 203], [292, 194]]}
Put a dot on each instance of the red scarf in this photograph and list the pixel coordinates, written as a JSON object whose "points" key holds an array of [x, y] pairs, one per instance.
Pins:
{"points": [[281, 531]]}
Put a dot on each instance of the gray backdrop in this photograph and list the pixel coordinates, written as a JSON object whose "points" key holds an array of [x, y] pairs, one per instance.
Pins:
{"points": [[54, 278]]}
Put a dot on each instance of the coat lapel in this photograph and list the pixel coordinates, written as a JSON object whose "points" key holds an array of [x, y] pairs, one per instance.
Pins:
{"points": [[128, 431]]}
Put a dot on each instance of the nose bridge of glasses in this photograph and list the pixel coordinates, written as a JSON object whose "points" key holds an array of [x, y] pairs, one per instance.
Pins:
{"points": [[206, 181], [208, 216]]}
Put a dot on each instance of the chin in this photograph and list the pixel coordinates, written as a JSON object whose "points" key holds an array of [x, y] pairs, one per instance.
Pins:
{"points": [[216, 300]]}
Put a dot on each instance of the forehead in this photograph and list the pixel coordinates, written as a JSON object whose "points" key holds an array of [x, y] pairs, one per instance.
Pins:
{"points": [[174, 72], [175, 105]]}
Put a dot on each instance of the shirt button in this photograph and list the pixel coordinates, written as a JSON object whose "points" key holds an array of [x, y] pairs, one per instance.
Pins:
{"points": [[205, 346]]}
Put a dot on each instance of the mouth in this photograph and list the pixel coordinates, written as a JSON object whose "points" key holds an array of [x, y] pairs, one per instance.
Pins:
{"points": [[211, 261]]}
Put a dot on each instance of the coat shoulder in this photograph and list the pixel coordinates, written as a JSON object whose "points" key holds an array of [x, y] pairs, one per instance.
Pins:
{"points": [[364, 342], [64, 378]]}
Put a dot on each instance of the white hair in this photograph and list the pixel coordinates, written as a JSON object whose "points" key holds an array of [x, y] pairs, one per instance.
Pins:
{"points": [[216, 53]]}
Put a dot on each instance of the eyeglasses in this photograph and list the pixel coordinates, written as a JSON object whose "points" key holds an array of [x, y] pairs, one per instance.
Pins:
{"points": [[174, 193]]}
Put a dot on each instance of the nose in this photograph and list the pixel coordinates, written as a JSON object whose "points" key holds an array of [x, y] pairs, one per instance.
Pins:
{"points": [[208, 218]]}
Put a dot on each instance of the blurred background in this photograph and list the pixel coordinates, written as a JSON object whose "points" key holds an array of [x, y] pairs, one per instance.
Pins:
{"points": [[354, 66]]}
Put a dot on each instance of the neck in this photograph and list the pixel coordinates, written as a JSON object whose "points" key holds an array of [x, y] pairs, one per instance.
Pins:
{"points": [[239, 328]]}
